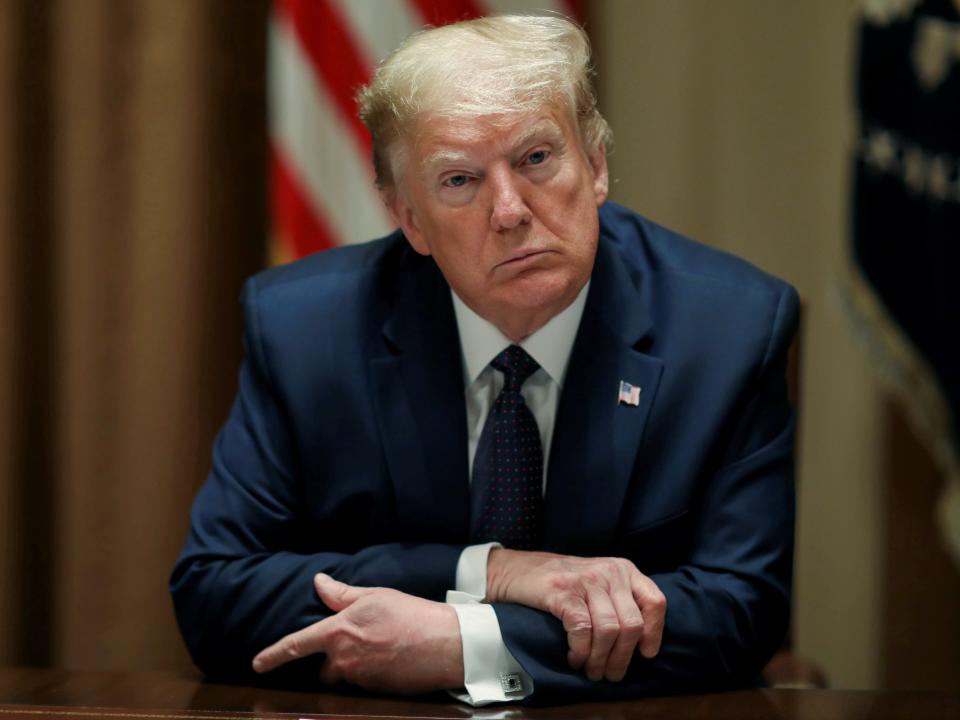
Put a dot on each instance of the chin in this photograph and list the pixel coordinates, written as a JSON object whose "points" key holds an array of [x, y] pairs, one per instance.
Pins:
{"points": [[533, 292]]}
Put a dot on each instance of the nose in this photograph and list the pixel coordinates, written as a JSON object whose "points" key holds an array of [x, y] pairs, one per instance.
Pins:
{"points": [[509, 209]]}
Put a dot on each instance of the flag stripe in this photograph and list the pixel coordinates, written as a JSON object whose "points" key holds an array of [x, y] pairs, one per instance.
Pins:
{"points": [[327, 40], [393, 22], [333, 174], [577, 9], [302, 230], [450, 11]]}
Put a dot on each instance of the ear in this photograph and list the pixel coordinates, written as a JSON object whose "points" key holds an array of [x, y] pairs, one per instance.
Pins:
{"points": [[403, 214], [601, 177]]}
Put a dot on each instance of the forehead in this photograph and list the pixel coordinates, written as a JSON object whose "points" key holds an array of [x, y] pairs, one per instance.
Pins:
{"points": [[439, 139]]}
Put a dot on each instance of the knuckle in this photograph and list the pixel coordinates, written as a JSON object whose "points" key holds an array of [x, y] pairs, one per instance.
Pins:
{"points": [[632, 623], [360, 636], [608, 630], [569, 602], [293, 648], [577, 623], [560, 603], [565, 581], [606, 567], [576, 612], [339, 646]]}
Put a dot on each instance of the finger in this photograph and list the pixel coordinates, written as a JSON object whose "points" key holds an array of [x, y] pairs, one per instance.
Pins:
{"points": [[575, 616], [653, 606], [631, 628], [335, 594], [308, 641], [606, 629]]}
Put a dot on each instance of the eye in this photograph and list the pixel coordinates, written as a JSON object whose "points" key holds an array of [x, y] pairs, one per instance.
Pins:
{"points": [[537, 158], [456, 181]]}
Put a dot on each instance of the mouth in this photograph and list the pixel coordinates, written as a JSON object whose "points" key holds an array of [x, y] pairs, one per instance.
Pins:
{"points": [[522, 257]]}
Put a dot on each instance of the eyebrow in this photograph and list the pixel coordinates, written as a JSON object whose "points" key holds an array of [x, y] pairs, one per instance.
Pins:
{"points": [[546, 127], [444, 157]]}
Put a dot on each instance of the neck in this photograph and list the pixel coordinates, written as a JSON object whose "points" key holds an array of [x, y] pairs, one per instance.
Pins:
{"points": [[517, 326], [516, 331]]}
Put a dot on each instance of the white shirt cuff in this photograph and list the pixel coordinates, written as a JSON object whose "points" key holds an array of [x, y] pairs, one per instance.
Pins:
{"points": [[490, 673], [472, 573]]}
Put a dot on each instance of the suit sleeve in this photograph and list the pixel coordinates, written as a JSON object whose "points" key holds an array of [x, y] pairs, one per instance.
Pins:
{"points": [[728, 605], [245, 576]]}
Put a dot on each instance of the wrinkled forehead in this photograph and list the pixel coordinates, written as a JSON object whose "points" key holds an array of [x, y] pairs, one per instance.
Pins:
{"points": [[445, 140], [433, 136]]}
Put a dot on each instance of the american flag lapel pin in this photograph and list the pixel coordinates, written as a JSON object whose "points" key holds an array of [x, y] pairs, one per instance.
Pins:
{"points": [[629, 394]]}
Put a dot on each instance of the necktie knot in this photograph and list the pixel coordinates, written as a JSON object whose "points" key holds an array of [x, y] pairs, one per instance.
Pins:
{"points": [[516, 366]]}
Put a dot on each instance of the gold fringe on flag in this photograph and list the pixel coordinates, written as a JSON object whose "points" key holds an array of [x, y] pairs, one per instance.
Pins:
{"points": [[904, 372]]}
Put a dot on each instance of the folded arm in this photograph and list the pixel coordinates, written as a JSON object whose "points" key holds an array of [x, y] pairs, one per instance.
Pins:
{"points": [[245, 576], [726, 611], [727, 603]]}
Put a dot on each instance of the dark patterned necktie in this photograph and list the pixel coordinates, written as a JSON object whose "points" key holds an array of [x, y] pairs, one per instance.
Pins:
{"points": [[506, 500]]}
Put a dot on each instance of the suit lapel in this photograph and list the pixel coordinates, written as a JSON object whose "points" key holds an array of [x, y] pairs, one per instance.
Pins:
{"points": [[417, 386], [595, 439]]}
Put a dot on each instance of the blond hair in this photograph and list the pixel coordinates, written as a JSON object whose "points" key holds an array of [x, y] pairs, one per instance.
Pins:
{"points": [[497, 66]]}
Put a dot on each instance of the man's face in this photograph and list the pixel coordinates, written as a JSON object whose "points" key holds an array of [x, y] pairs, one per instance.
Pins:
{"points": [[508, 211]]}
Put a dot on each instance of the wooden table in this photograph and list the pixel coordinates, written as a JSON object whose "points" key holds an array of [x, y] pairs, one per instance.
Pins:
{"points": [[30, 694]]}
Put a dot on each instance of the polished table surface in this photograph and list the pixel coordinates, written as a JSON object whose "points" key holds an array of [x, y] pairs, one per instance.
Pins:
{"points": [[35, 694]]}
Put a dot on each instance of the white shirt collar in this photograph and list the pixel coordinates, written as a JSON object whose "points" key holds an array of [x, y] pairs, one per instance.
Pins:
{"points": [[550, 346]]}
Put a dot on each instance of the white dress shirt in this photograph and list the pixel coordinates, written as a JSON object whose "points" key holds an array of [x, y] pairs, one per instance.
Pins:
{"points": [[486, 660]]}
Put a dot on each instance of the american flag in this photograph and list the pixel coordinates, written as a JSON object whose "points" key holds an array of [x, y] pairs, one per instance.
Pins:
{"points": [[629, 394], [320, 53], [903, 291]]}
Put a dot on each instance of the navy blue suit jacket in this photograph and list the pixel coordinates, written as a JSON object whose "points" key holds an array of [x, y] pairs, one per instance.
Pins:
{"points": [[346, 452]]}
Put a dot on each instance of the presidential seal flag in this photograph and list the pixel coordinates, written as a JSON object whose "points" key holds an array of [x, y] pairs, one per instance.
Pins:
{"points": [[905, 284], [320, 53]]}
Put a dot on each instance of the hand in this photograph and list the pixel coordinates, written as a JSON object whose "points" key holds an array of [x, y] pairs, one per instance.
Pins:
{"points": [[379, 639], [606, 605]]}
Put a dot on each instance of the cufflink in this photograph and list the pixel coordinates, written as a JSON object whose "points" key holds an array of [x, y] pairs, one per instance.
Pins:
{"points": [[511, 683]]}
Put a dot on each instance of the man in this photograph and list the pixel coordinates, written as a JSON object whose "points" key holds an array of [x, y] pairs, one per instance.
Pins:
{"points": [[529, 446]]}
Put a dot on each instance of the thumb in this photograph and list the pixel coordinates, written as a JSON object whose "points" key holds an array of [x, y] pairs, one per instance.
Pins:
{"points": [[335, 594]]}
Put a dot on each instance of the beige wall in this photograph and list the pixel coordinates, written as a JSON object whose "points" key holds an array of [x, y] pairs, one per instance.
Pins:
{"points": [[732, 123]]}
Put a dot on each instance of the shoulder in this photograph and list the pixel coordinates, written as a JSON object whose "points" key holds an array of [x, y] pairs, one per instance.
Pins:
{"points": [[333, 281], [345, 290], [344, 265], [661, 253], [693, 290]]}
